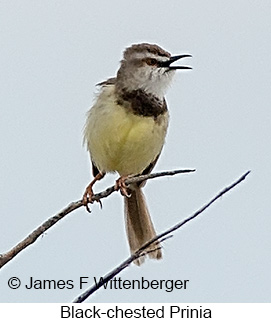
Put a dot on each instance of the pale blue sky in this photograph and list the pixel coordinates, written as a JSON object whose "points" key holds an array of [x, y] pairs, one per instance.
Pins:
{"points": [[52, 55]]}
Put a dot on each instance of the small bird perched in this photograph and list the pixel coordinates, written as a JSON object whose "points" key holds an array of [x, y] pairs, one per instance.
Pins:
{"points": [[125, 132]]}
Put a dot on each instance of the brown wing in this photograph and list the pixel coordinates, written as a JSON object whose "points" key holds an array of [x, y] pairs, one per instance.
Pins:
{"points": [[147, 171], [110, 81], [95, 170]]}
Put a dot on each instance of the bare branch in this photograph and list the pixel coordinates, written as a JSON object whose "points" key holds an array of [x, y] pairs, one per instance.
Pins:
{"points": [[32, 237], [140, 252]]}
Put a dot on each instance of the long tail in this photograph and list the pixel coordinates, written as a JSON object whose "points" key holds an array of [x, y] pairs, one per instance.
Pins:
{"points": [[139, 226]]}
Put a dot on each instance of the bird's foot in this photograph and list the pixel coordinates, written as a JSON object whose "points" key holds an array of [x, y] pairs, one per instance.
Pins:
{"points": [[120, 185], [88, 195]]}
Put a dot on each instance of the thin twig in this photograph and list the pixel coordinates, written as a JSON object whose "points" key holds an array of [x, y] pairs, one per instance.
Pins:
{"points": [[32, 237], [139, 178], [140, 252]]}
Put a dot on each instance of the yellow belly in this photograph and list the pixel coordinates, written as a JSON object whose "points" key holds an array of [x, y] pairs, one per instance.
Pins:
{"points": [[120, 141]]}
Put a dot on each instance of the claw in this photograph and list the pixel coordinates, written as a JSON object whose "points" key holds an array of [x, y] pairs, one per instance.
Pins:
{"points": [[120, 185], [87, 208], [87, 197], [100, 202]]}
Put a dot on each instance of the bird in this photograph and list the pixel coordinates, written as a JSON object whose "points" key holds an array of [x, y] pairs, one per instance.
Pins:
{"points": [[125, 132]]}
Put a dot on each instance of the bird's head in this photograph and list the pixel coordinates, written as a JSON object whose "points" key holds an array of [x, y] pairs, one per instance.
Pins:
{"points": [[147, 67]]}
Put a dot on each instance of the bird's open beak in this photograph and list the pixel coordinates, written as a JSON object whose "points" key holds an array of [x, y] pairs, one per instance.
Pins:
{"points": [[173, 59]]}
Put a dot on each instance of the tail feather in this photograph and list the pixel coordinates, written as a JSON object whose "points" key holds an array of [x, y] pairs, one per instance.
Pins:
{"points": [[139, 226]]}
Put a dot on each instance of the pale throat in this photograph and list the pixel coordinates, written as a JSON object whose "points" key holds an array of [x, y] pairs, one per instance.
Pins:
{"points": [[152, 80], [156, 84]]}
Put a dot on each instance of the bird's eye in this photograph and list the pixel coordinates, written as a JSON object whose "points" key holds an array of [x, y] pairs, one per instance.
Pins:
{"points": [[151, 61]]}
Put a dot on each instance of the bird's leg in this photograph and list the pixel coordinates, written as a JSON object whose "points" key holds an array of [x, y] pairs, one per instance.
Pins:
{"points": [[120, 185], [87, 197]]}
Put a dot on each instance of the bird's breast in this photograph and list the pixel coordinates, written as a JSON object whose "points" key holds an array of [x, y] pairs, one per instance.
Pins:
{"points": [[118, 140]]}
